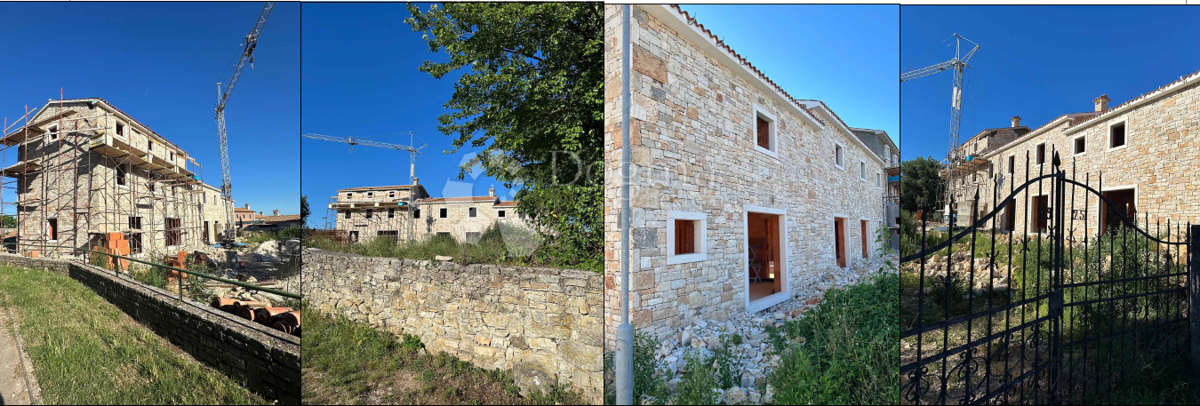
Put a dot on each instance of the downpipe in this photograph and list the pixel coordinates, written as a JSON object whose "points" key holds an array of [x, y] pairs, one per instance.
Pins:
{"points": [[624, 356]]}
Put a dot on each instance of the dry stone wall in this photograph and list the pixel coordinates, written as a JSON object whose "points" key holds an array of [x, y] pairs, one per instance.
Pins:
{"points": [[540, 323]]}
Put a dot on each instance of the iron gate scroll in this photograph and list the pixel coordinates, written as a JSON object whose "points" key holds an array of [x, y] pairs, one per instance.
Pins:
{"points": [[1059, 313]]}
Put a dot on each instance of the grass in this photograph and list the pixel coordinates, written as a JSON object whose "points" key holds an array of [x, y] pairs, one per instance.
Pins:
{"points": [[348, 362], [86, 351], [500, 244], [252, 238], [844, 351]]}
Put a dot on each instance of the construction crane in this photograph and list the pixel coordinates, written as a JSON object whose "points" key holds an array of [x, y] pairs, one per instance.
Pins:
{"points": [[412, 157], [960, 61], [247, 58]]}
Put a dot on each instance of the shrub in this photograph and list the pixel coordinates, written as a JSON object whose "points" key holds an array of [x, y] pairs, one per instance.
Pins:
{"points": [[849, 353]]}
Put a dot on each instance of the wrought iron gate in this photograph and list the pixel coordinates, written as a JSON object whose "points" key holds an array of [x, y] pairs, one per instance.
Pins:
{"points": [[1058, 313]]}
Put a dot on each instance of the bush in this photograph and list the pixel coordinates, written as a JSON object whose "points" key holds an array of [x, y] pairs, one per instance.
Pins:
{"points": [[849, 352], [649, 379]]}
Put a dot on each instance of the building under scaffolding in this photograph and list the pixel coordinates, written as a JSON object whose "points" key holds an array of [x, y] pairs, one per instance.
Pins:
{"points": [[85, 173]]}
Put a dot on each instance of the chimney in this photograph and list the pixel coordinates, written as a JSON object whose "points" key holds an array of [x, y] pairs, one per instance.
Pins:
{"points": [[492, 192], [260, 212], [276, 212], [247, 206], [414, 181], [1016, 121], [1101, 103]]}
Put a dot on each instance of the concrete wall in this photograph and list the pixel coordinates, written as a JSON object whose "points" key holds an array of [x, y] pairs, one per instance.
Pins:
{"points": [[264, 360], [539, 323], [693, 150]]}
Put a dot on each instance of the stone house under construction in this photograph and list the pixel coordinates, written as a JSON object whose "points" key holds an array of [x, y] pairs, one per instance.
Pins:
{"points": [[742, 196], [84, 170], [406, 212], [1147, 150]]}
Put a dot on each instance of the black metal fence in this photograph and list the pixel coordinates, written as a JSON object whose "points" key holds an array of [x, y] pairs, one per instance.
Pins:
{"points": [[1055, 311]]}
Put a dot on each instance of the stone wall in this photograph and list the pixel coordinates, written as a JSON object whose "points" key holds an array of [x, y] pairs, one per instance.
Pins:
{"points": [[693, 151], [264, 360], [540, 323]]}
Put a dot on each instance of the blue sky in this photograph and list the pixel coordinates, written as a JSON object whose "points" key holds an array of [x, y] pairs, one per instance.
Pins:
{"points": [[160, 62], [361, 79], [1038, 62], [845, 56]]}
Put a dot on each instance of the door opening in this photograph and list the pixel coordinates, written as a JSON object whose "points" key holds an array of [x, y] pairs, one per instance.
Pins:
{"points": [[1040, 213], [765, 272], [839, 240], [864, 239]]}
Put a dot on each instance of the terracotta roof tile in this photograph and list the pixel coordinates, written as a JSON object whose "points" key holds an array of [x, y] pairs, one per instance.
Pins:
{"points": [[1135, 99]]}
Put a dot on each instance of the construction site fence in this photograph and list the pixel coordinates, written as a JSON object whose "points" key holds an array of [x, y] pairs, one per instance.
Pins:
{"points": [[117, 273]]}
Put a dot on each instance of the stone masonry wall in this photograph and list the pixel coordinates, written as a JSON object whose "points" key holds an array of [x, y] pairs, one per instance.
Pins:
{"points": [[693, 150], [264, 360], [539, 323], [1159, 161]]}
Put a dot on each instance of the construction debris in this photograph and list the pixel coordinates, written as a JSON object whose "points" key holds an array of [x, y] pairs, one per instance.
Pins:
{"points": [[280, 318]]}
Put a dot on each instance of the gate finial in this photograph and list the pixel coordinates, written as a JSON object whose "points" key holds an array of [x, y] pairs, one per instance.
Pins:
{"points": [[1056, 162]]}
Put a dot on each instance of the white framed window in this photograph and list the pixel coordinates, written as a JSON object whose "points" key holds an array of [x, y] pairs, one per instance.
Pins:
{"points": [[839, 155], [766, 138], [862, 171], [120, 129], [1118, 135], [1039, 154], [686, 232], [1079, 145], [500, 214], [54, 133], [878, 180]]}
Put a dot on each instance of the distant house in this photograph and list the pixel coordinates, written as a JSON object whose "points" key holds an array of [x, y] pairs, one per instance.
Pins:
{"points": [[273, 223]]}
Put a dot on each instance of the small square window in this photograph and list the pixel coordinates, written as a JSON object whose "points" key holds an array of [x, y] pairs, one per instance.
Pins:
{"points": [[442, 213], [416, 213], [765, 132], [347, 213], [685, 237], [370, 195], [471, 212], [120, 129], [151, 147], [1116, 135], [368, 214], [391, 213], [54, 133], [500, 214], [1080, 145], [349, 196]]}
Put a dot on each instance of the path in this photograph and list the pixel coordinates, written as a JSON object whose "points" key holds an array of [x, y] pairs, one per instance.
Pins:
{"points": [[14, 387]]}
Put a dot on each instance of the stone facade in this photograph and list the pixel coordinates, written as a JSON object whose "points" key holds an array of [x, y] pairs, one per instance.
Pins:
{"points": [[265, 360], [1158, 161], [539, 323], [104, 172], [368, 212], [695, 157]]}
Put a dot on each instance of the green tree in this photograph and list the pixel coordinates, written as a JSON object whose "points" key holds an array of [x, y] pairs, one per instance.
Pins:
{"points": [[304, 210], [919, 184], [8, 221], [531, 94]]}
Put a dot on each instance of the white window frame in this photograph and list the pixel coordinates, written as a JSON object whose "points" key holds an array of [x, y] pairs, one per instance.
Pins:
{"points": [[1123, 121], [53, 132], [701, 253], [785, 293], [838, 146], [773, 128], [862, 170], [867, 239], [1074, 145], [878, 180]]}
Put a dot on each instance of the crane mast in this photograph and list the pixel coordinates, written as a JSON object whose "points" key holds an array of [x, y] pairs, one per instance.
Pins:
{"points": [[960, 61], [222, 99]]}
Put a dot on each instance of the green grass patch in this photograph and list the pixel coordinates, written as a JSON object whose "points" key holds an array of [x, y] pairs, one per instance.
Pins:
{"points": [[86, 351], [348, 362], [848, 353]]}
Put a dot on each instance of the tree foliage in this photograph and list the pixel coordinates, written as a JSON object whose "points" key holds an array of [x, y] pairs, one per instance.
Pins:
{"points": [[531, 95], [304, 210], [919, 184]]}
